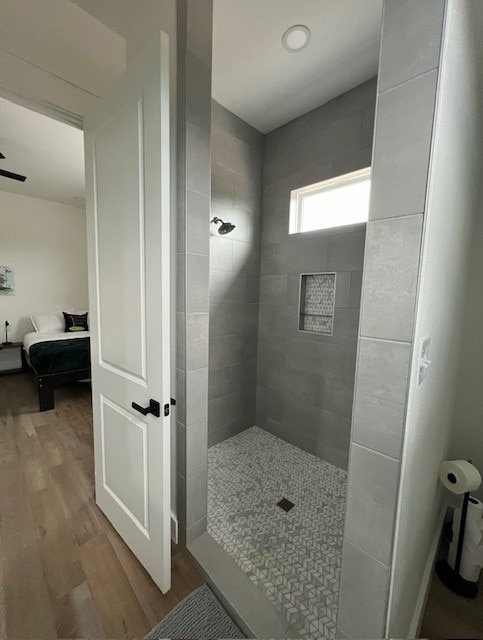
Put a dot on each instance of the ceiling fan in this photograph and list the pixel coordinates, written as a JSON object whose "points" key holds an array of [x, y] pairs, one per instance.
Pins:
{"points": [[9, 174]]}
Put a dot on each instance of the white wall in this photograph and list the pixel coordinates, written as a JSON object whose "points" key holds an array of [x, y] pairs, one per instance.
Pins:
{"points": [[467, 440], [45, 243], [452, 209], [54, 53]]}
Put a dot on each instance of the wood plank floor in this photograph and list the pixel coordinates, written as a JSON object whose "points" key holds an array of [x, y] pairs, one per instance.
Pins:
{"points": [[64, 571]]}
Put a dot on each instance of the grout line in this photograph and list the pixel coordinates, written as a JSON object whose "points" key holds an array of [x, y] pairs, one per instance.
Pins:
{"points": [[400, 84], [362, 446], [385, 340]]}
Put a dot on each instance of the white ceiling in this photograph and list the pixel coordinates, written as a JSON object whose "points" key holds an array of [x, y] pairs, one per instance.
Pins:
{"points": [[48, 152], [267, 86]]}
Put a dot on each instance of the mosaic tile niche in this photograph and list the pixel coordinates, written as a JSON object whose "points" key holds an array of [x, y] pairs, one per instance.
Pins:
{"points": [[317, 302]]}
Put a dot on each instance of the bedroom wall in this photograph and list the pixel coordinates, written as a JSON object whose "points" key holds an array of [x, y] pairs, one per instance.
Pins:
{"points": [[45, 243]]}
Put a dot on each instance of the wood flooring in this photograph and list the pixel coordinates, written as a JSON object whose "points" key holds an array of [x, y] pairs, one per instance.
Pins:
{"points": [[64, 571], [448, 615]]}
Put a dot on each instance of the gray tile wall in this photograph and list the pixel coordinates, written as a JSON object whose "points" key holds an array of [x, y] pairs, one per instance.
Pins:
{"points": [[236, 170], [194, 125], [410, 54], [305, 382]]}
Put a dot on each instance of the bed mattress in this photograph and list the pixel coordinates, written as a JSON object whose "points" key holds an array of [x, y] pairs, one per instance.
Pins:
{"points": [[58, 352]]}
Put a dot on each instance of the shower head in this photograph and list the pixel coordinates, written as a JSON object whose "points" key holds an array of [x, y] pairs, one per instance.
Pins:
{"points": [[225, 227]]}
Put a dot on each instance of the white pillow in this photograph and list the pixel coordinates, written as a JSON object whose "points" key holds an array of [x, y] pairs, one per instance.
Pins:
{"points": [[49, 322]]}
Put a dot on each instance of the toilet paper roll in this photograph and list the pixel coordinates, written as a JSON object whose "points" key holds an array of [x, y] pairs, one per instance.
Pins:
{"points": [[459, 476], [471, 558]]}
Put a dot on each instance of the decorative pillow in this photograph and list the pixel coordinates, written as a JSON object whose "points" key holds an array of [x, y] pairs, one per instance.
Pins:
{"points": [[49, 322], [75, 322]]}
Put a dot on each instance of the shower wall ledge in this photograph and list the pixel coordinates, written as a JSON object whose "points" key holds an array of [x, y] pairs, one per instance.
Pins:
{"points": [[254, 614]]}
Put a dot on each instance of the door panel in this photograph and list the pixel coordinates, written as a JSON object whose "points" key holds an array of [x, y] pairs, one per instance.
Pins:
{"points": [[118, 157], [127, 207], [124, 444]]}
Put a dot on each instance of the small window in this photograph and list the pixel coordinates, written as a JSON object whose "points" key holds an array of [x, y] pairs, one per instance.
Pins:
{"points": [[333, 203]]}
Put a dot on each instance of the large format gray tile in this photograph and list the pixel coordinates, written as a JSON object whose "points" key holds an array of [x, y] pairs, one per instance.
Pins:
{"points": [[342, 289], [198, 159], [196, 396], [196, 530], [197, 229], [199, 29], [246, 257], [223, 433], [197, 283], [273, 288], [219, 382], [226, 410], [321, 358], [197, 327], [346, 251], [226, 350], [181, 339], [196, 355], [222, 183], [401, 148], [357, 99], [380, 397], [362, 594], [411, 40], [355, 290], [227, 286], [181, 395], [232, 318], [247, 190], [390, 278], [221, 254], [196, 436], [371, 501], [198, 94], [196, 498]]}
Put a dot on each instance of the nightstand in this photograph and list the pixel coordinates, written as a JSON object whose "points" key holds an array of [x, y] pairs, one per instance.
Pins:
{"points": [[13, 345]]}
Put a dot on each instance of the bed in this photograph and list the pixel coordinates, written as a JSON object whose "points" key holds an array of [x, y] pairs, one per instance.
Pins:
{"points": [[56, 358]]}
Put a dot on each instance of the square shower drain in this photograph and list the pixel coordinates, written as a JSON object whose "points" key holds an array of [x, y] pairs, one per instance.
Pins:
{"points": [[285, 504]]}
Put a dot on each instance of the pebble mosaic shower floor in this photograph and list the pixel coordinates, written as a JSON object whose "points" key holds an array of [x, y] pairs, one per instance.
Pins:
{"points": [[294, 557]]}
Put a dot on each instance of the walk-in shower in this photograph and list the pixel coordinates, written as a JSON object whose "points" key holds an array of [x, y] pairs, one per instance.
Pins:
{"points": [[284, 317]]}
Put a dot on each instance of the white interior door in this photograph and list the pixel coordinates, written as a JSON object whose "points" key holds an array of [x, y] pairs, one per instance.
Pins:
{"points": [[127, 200]]}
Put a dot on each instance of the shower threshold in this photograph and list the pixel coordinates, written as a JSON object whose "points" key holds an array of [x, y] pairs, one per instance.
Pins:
{"points": [[293, 557]]}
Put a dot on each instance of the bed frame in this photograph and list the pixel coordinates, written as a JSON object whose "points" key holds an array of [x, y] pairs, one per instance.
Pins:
{"points": [[47, 382]]}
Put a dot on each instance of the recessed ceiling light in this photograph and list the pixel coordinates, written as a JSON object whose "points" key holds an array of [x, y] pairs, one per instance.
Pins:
{"points": [[296, 38]]}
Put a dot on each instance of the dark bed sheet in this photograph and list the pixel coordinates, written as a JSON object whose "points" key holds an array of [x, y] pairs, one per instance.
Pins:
{"points": [[60, 356]]}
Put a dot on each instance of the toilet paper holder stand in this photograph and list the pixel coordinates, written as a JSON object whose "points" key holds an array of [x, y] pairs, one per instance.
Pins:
{"points": [[450, 577]]}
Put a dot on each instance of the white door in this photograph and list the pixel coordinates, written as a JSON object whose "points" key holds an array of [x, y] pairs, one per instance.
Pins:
{"points": [[127, 200]]}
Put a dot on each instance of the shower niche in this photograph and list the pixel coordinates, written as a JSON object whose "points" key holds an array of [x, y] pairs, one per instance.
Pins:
{"points": [[317, 302]]}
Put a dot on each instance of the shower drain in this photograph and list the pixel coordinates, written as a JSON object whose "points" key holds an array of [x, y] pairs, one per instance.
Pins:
{"points": [[285, 504]]}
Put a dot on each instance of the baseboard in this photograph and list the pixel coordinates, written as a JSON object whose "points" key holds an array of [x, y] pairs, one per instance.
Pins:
{"points": [[174, 528], [426, 581]]}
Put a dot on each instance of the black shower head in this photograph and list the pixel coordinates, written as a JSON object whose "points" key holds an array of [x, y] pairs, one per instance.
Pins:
{"points": [[225, 227]]}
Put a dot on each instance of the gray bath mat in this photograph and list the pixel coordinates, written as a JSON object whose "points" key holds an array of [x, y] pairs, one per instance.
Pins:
{"points": [[199, 616]]}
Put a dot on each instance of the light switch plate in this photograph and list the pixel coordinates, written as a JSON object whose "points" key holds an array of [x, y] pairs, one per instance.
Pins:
{"points": [[424, 360]]}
